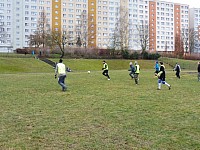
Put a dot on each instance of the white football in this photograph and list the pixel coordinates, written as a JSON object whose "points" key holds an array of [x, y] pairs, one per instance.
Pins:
{"points": [[88, 71]]}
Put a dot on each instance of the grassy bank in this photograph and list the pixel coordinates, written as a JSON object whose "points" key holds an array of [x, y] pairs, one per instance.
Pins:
{"points": [[31, 65], [96, 113], [185, 64]]}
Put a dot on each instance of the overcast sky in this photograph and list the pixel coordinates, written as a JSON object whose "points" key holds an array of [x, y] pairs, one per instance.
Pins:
{"points": [[191, 3]]}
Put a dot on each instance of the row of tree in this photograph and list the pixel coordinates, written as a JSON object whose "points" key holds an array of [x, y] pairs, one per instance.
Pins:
{"points": [[45, 37]]}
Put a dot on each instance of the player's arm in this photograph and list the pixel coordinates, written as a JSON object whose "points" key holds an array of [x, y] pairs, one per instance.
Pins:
{"points": [[159, 73]]}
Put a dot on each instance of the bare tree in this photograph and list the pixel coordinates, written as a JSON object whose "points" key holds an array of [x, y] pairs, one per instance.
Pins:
{"points": [[34, 40], [120, 36], [143, 33], [185, 39], [60, 39], [39, 37], [193, 37], [179, 45], [79, 43], [43, 28], [82, 30]]}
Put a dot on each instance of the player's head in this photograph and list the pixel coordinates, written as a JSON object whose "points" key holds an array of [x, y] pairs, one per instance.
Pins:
{"points": [[60, 61], [136, 63], [104, 62], [161, 63], [130, 63]]}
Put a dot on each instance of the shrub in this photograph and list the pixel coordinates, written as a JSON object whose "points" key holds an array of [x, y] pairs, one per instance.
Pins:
{"points": [[145, 55], [125, 54], [153, 56], [134, 55]]}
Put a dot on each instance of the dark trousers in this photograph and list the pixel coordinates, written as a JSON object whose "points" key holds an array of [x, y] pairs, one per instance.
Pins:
{"points": [[131, 74], [105, 73], [178, 74], [136, 77], [61, 81]]}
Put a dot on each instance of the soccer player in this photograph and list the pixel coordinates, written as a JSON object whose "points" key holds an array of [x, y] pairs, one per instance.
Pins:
{"points": [[157, 68], [61, 72], [137, 72], [177, 68], [105, 70], [132, 70], [161, 77]]}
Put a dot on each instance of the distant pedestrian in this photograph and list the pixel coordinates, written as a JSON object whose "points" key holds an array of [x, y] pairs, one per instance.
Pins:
{"points": [[157, 68], [61, 72], [161, 77], [177, 68], [132, 70], [105, 70], [137, 72], [198, 69]]}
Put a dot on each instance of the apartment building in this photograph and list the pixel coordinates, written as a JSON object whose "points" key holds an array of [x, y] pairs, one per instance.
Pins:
{"points": [[106, 16], [166, 21], [6, 26], [98, 23], [138, 22], [195, 25], [19, 19], [26, 17]]}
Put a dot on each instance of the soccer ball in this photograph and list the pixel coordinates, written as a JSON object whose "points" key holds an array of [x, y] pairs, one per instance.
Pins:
{"points": [[88, 72]]}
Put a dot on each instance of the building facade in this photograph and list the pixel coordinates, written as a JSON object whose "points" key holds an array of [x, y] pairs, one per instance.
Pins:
{"points": [[6, 30], [97, 23], [195, 28], [167, 20]]}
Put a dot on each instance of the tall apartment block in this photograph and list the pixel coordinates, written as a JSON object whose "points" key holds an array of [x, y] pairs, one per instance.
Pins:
{"points": [[166, 21], [98, 23], [6, 26], [19, 19], [138, 15], [195, 25]]}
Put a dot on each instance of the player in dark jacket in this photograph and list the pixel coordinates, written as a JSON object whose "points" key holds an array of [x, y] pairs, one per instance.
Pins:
{"points": [[105, 70], [161, 77], [177, 68], [132, 70]]}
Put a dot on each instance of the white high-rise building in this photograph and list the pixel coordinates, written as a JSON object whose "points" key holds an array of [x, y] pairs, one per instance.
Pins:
{"points": [[26, 16], [195, 25], [107, 16], [98, 23], [167, 20], [138, 21], [6, 29]]}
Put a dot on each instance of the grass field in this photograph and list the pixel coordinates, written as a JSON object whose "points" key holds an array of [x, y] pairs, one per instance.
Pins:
{"points": [[96, 113]]}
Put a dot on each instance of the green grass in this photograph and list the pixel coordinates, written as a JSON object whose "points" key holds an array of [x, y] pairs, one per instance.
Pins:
{"points": [[96, 64], [185, 64], [31, 65], [23, 65], [15, 55], [95, 113]]}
